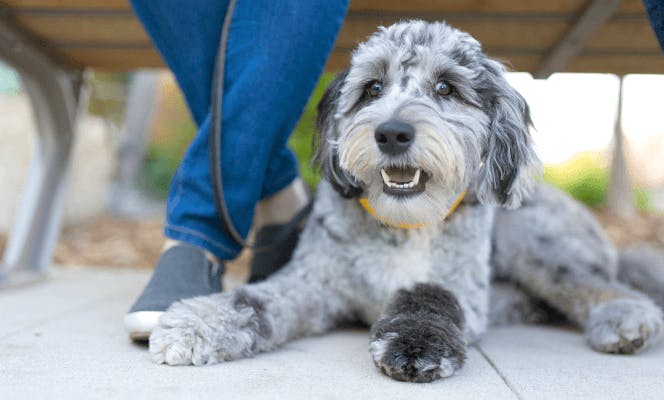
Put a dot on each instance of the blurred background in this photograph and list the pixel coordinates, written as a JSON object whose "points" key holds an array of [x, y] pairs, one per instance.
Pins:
{"points": [[600, 135], [113, 216]]}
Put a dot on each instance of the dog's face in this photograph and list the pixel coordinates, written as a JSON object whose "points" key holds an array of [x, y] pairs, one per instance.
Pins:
{"points": [[421, 115]]}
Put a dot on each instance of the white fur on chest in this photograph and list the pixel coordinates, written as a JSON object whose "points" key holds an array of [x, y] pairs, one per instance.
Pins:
{"points": [[402, 267], [386, 266]]}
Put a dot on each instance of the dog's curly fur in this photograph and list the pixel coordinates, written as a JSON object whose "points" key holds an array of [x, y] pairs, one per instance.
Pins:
{"points": [[426, 292]]}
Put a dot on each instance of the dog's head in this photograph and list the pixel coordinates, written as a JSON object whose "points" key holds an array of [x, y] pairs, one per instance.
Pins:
{"points": [[421, 115]]}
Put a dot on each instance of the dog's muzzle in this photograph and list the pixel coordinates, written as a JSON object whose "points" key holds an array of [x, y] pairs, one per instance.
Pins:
{"points": [[394, 138]]}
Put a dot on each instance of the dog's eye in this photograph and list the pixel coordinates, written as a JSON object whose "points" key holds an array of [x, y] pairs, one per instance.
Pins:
{"points": [[443, 88], [374, 89]]}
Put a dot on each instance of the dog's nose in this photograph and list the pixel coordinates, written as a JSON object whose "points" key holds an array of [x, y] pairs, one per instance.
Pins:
{"points": [[394, 137]]}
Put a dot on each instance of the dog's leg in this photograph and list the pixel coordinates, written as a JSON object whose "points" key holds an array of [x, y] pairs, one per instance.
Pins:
{"points": [[643, 268], [616, 319], [250, 319], [419, 337], [555, 250], [512, 305]]}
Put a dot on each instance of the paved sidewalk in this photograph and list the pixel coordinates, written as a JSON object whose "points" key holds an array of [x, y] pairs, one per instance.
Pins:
{"points": [[62, 339]]}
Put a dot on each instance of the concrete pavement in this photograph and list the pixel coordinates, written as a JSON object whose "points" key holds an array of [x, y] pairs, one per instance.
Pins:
{"points": [[63, 339]]}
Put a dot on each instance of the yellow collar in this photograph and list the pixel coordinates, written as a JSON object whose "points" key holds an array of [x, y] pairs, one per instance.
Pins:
{"points": [[364, 202]]}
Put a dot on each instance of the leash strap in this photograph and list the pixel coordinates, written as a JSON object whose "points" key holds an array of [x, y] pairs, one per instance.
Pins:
{"points": [[214, 144]]}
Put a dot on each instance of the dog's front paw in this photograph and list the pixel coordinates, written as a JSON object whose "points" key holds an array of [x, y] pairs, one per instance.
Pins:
{"points": [[410, 350], [624, 326], [183, 336], [177, 345], [209, 330]]}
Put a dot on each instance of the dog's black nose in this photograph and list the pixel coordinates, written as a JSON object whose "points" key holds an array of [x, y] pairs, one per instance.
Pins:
{"points": [[394, 137]]}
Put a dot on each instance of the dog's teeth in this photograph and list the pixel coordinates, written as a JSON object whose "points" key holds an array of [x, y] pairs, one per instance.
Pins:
{"points": [[416, 178], [386, 177], [401, 185]]}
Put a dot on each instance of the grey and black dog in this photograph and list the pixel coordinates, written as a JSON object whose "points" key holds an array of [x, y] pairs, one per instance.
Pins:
{"points": [[421, 117]]}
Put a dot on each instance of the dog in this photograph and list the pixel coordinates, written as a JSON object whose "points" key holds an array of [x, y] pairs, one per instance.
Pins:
{"points": [[430, 225]]}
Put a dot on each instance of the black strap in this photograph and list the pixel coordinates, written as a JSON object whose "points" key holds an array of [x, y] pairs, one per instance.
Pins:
{"points": [[215, 151]]}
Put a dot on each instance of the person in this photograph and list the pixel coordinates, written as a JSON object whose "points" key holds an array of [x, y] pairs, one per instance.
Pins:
{"points": [[275, 53]]}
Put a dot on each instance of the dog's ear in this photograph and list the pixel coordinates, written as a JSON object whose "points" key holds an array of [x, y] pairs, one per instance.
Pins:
{"points": [[510, 165], [326, 156]]}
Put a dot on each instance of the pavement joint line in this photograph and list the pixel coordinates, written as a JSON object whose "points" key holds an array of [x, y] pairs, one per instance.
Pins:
{"points": [[70, 311], [499, 372]]}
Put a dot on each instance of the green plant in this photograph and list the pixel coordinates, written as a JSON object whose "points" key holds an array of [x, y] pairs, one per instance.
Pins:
{"points": [[301, 140], [586, 178], [172, 132]]}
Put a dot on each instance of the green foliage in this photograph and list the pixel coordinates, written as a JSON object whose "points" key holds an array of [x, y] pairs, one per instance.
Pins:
{"points": [[642, 199], [173, 130], [301, 140], [586, 178], [162, 160], [108, 93]]}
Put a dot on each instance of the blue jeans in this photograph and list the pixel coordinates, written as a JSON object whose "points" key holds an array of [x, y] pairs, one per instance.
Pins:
{"points": [[655, 11], [276, 51]]}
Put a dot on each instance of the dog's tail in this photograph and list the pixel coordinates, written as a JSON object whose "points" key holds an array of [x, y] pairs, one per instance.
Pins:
{"points": [[642, 268]]}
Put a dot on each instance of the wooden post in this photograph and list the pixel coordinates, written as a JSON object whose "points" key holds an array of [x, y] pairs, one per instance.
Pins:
{"points": [[620, 200]]}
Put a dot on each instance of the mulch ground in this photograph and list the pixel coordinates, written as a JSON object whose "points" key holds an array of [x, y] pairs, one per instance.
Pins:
{"points": [[643, 228], [113, 242]]}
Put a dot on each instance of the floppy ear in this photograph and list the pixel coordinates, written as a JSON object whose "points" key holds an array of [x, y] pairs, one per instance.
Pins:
{"points": [[510, 165], [326, 155]]}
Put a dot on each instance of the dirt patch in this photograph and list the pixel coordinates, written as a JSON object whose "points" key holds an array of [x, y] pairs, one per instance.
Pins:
{"points": [[643, 228], [111, 242], [116, 242]]}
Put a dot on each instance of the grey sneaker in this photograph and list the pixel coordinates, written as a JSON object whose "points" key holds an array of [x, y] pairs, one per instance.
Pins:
{"points": [[181, 272]]}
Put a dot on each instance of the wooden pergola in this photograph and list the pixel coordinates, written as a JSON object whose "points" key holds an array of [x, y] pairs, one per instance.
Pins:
{"points": [[51, 43], [540, 37]]}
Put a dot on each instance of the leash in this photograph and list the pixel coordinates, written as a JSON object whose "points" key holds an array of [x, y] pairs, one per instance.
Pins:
{"points": [[364, 202], [214, 144]]}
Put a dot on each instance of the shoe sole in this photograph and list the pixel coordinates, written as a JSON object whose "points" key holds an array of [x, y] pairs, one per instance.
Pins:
{"points": [[140, 324]]}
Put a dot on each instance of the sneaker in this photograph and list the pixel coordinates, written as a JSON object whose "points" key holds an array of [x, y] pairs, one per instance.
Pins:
{"points": [[182, 271]]}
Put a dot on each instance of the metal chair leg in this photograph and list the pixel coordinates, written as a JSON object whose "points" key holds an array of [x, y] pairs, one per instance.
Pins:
{"points": [[55, 95]]}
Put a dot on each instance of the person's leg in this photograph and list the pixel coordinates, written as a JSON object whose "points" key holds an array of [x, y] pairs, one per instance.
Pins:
{"points": [[186, 33], [275, 53]]}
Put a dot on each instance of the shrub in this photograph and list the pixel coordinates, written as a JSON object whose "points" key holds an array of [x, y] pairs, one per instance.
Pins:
{"points": [[586, 178]]}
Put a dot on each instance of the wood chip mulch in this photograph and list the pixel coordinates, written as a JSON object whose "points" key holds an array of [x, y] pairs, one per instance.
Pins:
{"points": [[643, 228]]}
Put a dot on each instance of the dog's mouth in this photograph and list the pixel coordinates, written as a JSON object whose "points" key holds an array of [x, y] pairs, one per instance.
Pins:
{"points": [[401, 181]]}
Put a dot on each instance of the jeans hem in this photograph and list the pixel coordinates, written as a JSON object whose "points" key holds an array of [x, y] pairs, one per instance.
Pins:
{"points": [[199, 239], [280, 185]]}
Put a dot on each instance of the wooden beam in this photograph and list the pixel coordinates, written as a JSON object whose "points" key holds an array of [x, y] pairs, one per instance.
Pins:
{"points": [[473, 6], [68, 4], [590, 20]]}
